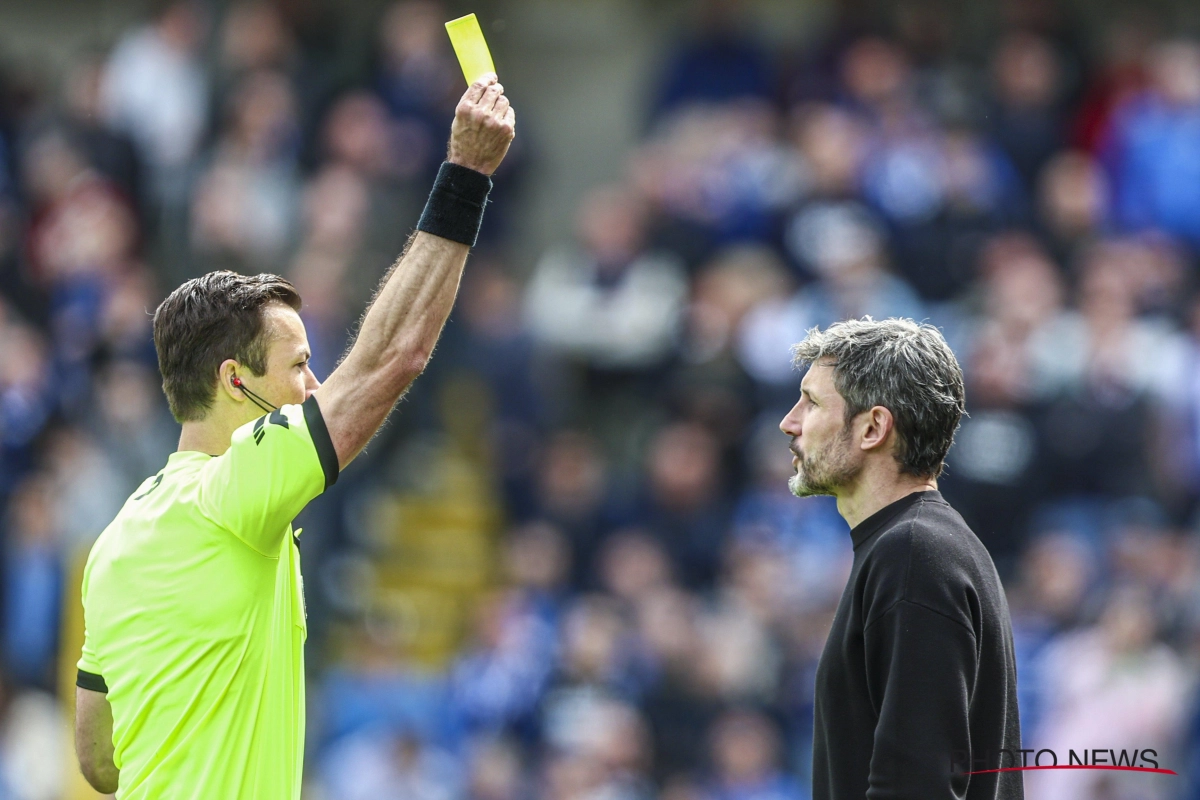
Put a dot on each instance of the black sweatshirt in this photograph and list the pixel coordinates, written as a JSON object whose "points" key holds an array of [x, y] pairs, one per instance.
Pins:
{"points": [[917, 683]]}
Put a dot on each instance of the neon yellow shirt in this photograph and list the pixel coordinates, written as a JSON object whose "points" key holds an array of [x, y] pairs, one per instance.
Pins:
{"points": [[194, 616]]}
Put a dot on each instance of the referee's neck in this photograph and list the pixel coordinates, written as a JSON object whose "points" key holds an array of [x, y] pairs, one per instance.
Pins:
{"points": [[210, 435]]}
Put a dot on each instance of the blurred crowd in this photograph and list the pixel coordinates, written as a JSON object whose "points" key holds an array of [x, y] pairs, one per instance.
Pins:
{"points": [[657, 600]]}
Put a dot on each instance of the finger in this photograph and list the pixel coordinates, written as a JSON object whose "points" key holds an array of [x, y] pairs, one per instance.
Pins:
{"points": [[501, 107], [476, 89], [489, 96], [510, 118]]}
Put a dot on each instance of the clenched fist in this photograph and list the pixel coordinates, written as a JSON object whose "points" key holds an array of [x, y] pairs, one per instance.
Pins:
{"points": [[484, 126]]}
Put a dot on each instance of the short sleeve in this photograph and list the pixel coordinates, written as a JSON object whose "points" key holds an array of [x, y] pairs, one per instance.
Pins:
{"points": [[274, 466], [88, 661]]}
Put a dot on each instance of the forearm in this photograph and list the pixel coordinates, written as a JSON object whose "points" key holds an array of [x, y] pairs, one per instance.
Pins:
{"points": [[394, 342], [93, 741], [402, 324]]}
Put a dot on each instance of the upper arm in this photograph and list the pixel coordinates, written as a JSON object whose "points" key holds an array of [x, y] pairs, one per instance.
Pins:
{"points": [[274, 466], [93, 739]]}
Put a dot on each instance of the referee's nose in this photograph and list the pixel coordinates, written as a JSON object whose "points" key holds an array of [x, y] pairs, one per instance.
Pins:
{"points": [[311, 384]]}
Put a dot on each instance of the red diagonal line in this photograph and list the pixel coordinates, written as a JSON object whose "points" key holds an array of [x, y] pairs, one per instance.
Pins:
{"points": [[1076, 766]]}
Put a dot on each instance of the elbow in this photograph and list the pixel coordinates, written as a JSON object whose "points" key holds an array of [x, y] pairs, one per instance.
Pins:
{"points": [[406, 364], [102, 777]]}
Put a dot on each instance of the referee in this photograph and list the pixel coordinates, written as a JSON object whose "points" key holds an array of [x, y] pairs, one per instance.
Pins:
{"points": [[917, 686], [191, 682]]}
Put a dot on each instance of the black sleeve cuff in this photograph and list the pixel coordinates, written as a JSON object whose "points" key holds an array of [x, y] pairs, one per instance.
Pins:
{"points": [[320, 436], [91, 681]]}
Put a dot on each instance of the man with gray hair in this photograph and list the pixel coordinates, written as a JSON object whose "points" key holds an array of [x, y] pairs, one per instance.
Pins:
{"points": [[916, 693]]}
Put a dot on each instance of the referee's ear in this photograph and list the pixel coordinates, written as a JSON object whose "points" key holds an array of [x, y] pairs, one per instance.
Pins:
{"points": [[226, 375]]}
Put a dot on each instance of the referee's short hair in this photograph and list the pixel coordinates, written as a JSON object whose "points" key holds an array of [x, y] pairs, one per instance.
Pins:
{"points": [[907, 368], [207, 320]]}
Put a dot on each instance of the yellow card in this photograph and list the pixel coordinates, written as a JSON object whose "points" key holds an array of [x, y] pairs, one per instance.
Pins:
{"points": [[470, 47]]}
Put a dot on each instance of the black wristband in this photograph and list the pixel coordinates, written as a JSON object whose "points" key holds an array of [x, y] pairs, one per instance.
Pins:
{"points": [[454, 210]]}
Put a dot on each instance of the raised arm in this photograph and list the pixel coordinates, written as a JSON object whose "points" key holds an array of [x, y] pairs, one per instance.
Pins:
{"points": [[403, 322]]}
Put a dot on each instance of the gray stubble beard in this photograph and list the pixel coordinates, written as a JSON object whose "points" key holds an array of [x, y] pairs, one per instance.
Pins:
{"points": [[824, 479]]}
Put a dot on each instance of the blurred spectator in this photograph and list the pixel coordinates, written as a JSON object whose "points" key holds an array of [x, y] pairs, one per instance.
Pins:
{"points": [[745, 747], [83, 229], [88, 488], [1027, 119], [33, 583], [809, 539], [996, 470], [497, 683], [131, 422], [876, 76], [495, 771], [633, 565], [719, 64], [610, 304], [494, 345], [1049, 596], [725, 294], [156, 90], [27, 398], [598, 663], [572, 493], [400, 767], [253, 37], [1101, 382], [1074, 199], [1155, 151], [843, 245], [334, 209], [110, 151], [418, 81], [1116, 678], [80, 245], [1118, 75], [610, 311], [833, 144], [244, 207], [33, 744], [1180, 443], [683, 503], [738, 650], [716, 176], [683, 699]]}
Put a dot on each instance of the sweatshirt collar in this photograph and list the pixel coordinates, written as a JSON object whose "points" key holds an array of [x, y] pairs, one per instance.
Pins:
{"points": [[874, 523]]}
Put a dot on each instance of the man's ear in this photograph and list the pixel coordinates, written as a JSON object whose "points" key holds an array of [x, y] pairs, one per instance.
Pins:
{"points": [[228, 370], [878, 425]]}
